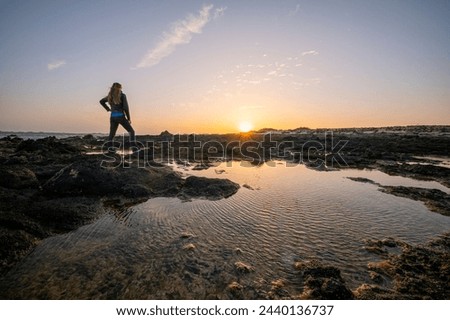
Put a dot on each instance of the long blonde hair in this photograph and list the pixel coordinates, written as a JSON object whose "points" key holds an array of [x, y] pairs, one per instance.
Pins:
{"points": [[114, 94]]}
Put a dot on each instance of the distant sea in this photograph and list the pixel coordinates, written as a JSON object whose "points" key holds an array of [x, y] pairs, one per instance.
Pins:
{"points": [[40, 135]]}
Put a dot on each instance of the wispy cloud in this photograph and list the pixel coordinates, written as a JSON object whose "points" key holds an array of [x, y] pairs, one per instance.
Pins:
{"points": [[55, 64], [219, 12], [310, 53], [181, 32], [295, 11]]}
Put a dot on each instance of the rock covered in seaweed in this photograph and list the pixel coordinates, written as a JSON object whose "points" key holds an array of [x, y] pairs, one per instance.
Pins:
{"points": [[322, 281], [90, 176], [435, 200], [417, 272], [18, 177], [48, 186]]}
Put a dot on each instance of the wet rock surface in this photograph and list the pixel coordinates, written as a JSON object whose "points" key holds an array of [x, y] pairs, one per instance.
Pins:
{"points": [[435, 200], [417, 272], [399, 271], [214, 189], [91, 176], [49, 186], [18, 177], [419, 171], [322, 281]]}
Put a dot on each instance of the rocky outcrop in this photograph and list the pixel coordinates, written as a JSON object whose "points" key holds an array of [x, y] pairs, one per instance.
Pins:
{"points": [[417, 272], [322, 281], [418, 171], [48, 186], [65, 214], [18, 177], [435, 200], [212, 189], [90, 176]]}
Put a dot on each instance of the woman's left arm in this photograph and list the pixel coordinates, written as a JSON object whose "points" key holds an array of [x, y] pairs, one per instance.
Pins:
{"points": [[125, 107]]}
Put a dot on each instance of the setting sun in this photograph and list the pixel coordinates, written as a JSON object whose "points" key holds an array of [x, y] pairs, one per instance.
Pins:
{"points": [[245, 126]]}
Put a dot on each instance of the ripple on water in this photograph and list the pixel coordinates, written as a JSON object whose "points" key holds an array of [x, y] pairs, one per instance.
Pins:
{"points": [[165, 248]]}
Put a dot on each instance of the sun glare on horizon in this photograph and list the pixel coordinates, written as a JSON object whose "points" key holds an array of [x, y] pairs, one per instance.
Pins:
{"points": [[245, 126]]}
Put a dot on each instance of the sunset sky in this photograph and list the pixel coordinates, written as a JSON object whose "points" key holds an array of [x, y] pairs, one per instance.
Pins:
{"points": [[209, 66]]}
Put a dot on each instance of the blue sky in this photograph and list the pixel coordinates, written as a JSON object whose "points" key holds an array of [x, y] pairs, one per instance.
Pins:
{"points": [[208, 66]]}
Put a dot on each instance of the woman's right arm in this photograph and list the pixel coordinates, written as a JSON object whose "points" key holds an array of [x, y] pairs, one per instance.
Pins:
{"points": [[103, 103]]}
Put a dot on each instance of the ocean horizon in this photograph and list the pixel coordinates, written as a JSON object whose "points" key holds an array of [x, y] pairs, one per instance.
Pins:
{"points": [[419, 129], [43, 134]]}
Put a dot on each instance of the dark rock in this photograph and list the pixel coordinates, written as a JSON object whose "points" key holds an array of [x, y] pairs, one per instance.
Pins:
{"points": [[89, 137], [322, 282], [12, 138], [334, 288], [389, 242], [213, 189], [65, 214], [418, 171], [417, 272], [136, 191], [15, 209], [75, 194], [49, 144], [17, 177], [360, 179], [89, 176], [166, 133], [243, 267], [76, 189], [45, 172], [16, 159], [202, 166], [436, 200], [14, 245], [41, 152], [374, 292]]}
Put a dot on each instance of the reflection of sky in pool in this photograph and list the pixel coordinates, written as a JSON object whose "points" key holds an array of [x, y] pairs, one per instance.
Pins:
{"points": [[292, 214]]}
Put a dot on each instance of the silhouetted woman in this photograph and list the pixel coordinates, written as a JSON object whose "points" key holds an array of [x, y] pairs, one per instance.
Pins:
{"points": [[120, 113]]}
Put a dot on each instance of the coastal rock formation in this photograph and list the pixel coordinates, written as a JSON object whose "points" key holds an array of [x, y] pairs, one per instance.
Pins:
{"points": [[90, 176], [209, 188], [45, 146], [417, 272], [322, 282], [48, 186], [435, 200], [87, 176], [18, 177], [66, 213], [419, 171]]}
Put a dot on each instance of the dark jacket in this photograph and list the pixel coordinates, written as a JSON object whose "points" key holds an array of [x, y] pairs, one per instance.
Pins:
{"points": [[121, 107]]}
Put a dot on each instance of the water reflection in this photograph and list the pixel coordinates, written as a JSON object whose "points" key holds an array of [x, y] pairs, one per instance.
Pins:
{"points": [[169, 249]]}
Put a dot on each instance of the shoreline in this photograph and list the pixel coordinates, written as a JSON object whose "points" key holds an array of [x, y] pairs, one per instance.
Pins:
{"points": [[51, 186], [440, 130]]}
